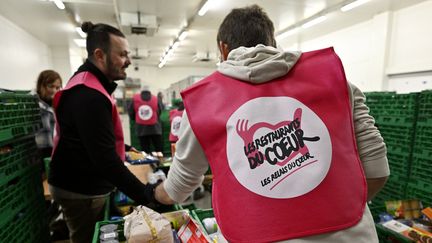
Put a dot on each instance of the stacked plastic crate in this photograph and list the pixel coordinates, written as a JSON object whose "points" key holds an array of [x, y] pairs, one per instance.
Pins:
{"points": [[22, 204], [420, 183], [395, 116]]}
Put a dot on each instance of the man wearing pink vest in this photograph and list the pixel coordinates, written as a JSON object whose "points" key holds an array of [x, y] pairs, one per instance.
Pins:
{"points": [[293, 151], [175, 116], [145, 110], [88, 153]]}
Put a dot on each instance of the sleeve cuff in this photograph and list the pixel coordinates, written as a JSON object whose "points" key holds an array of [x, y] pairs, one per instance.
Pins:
{"points": [[376, 168]]}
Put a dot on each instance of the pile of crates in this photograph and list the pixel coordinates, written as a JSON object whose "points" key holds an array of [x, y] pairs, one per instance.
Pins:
{"points": [[395, 116], [405, 122], [19, 115], [22, 204], [420, 182]]}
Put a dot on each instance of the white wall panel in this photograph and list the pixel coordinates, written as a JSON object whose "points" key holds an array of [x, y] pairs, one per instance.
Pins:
{"points": [[61, 62], [22, 57], [412, 82], [410, 47], [160, 78], [354, 47]]}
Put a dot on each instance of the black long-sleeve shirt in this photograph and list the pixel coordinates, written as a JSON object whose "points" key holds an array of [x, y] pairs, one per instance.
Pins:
{"points": [[85, 160]]}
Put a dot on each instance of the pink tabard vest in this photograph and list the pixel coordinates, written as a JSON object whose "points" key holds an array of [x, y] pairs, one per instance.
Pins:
{"points": [[175, 120], [89, 80], [283, 153], [145, 111]]}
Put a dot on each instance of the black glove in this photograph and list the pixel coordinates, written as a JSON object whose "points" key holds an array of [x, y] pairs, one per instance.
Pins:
{"points": [[149, 192]]}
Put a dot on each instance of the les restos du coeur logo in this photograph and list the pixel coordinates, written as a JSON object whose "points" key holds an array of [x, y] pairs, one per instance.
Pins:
{"points": [[277, 147], [175, 125], [145, 112]]}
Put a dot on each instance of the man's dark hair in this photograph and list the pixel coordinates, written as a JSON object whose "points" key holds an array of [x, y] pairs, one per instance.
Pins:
{"points": [[246, 27], [98, 36]]}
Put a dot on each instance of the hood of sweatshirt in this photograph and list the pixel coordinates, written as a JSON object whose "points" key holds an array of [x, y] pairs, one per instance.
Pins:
{"points": [[258, 64]]}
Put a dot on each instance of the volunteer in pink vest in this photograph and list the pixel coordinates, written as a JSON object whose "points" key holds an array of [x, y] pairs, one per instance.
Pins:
{"points": [[88, 153], [293, 151], [175, 116], [145, 110]]}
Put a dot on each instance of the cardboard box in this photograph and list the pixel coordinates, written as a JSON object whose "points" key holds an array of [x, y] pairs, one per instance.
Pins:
{"points": [[415, 234], [192, 233]]}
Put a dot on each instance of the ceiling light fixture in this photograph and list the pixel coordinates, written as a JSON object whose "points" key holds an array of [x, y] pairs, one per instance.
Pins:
{"points": [[174, 45], [59, 4], [314, 22], [352, 5], [183, 35], [205, 7], [162, 63], [80, 32]]}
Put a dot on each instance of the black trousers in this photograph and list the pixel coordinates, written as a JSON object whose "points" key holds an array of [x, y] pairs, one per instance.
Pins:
{"points": [[148, 140]]}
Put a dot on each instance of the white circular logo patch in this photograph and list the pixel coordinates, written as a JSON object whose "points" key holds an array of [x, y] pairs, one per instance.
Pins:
{"points": [[145, 112], [175, 125], [277, 147]]}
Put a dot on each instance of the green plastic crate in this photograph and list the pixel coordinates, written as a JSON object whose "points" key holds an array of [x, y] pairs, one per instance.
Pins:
{"points": [[15, 157], [134, 138], [17, 193], [394, 189], [376, 208], [189, 207], [424, 120], [47, 162], [418, 190], [107, 213], [389, 236], [30, 224], [20, 115], [19, 129], [166, 128], [200, 214]]}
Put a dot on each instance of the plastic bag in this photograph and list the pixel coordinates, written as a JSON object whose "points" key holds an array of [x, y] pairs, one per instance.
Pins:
{"points": [[146, 225]]}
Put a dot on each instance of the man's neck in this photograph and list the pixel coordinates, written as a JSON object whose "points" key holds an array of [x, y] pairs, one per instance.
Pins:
{"points": [[101, 69]]}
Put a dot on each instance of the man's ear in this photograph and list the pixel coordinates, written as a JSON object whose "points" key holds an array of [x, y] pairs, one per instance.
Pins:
{"points": [[99, 55], [224, 50]]}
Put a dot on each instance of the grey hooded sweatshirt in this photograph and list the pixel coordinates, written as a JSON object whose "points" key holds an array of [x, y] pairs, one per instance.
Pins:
{"points": [[262, 64]]}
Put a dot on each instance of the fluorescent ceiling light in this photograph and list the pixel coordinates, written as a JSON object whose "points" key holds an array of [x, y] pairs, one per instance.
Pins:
{"points": [[354, 4], [314, 22], [205, 8], [183, 35], [169, 53], [162, 63], [77, 18], [287, 33], [176, 44], [59, 4], [80, 32], [80, 42]]}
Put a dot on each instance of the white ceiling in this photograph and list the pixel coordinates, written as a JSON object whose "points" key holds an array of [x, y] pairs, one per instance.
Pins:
{"points": [[55, 27]]}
